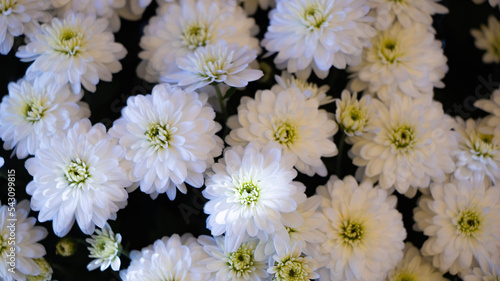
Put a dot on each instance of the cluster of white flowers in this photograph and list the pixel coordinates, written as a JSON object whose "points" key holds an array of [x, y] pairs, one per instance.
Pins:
{"points": [[266, 222]]}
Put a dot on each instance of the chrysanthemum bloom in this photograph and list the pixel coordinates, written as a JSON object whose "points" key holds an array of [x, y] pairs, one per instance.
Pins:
{"points": [[19, 17], [365, 232], [412, 145], [45, 271], [78, 176], [461, 221], [354, 116], [243, 264], [291, 120], [249, 191], [217, 63], [15, 265], [413, 267], [405, 12], [181, 28], [492, 106], [408, 61], [478, 153], [76, 50], [169, 258], [311, 90], [105, 248], [318, 34], [488, 271], [101, 8], [34, 111], [170, 137], [250, 6], [290, 265], [488, 39]]}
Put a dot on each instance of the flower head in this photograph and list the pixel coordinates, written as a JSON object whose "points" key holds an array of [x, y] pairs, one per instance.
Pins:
{"points": [[488, 39], [105, 248], [311, 90], [354, 117], [45, 271], [34, 111], [217, 63], [492, 106], [317, 34], [488, 271], [78, 176], [291, 265], [76, 50]]}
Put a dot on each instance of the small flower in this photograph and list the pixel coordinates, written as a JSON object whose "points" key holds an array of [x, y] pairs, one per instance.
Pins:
{"points": [[488, 271], [217, 63], [317, 34], [488, 39], [458, 213], [413, 268], [66, 246], [78, 176], [34, 111], [354, 117], [365, 232], [492, 106], [249, 191], [76, 50], [291, 120], [18, 17], [240, 265], [290, 265], [309, 89], [45, 271], [400, 61], [105, 247], [170, 138], [27, 248]]}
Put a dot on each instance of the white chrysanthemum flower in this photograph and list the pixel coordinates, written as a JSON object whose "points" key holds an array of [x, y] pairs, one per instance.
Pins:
{"points": [[488, 271], [291, 120], [170, 137], [133, 9], [249, 191], [217, 63], [15, 265], [250, 6], [492, 106], [407, 61], [318, 34], [405, 12], [45, 271], [413, 144], [105, 248], [414, 268], [365, 232], [169, 258], [478, 153], [461, 221], [354, 116], [34, 111], [291, 265], [78, 176], [181, 27], [76, 50], [19, 17], [310, 89], [488, 39], [101, 8], [243, 264]]}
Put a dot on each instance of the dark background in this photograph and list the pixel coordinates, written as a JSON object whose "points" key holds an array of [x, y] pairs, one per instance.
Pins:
{"points": [[144, 220]]}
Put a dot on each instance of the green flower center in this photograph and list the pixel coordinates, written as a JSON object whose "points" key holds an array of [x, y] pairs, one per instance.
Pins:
{"points": [[104, 247], [69, 40], [77, 173], [158, 135], [3, 242], [195, 35], [389, 51], [248, 193], [242, 260], [285, 133], [482, 146], [403, 137], [351, 232], [6, 6], [468, 222], [314, 17], [352, 118], [404, 276], [291, 269], [34, 111]]}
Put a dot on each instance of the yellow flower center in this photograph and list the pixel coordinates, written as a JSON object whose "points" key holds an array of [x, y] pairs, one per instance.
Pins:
{"points": [[389, 51], [6, 6], [285, 133], [242, 260], [158, 135], [403, 137], [314, 17], [77, 173], [34, 110], [468, 222], [351, 232], [404, 276], [248, 193], [195, 35], [291, 269], [69, 40]]}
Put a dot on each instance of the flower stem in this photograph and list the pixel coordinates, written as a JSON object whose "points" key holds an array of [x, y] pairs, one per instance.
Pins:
{"points": [[221, 101], [341, 153]]}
